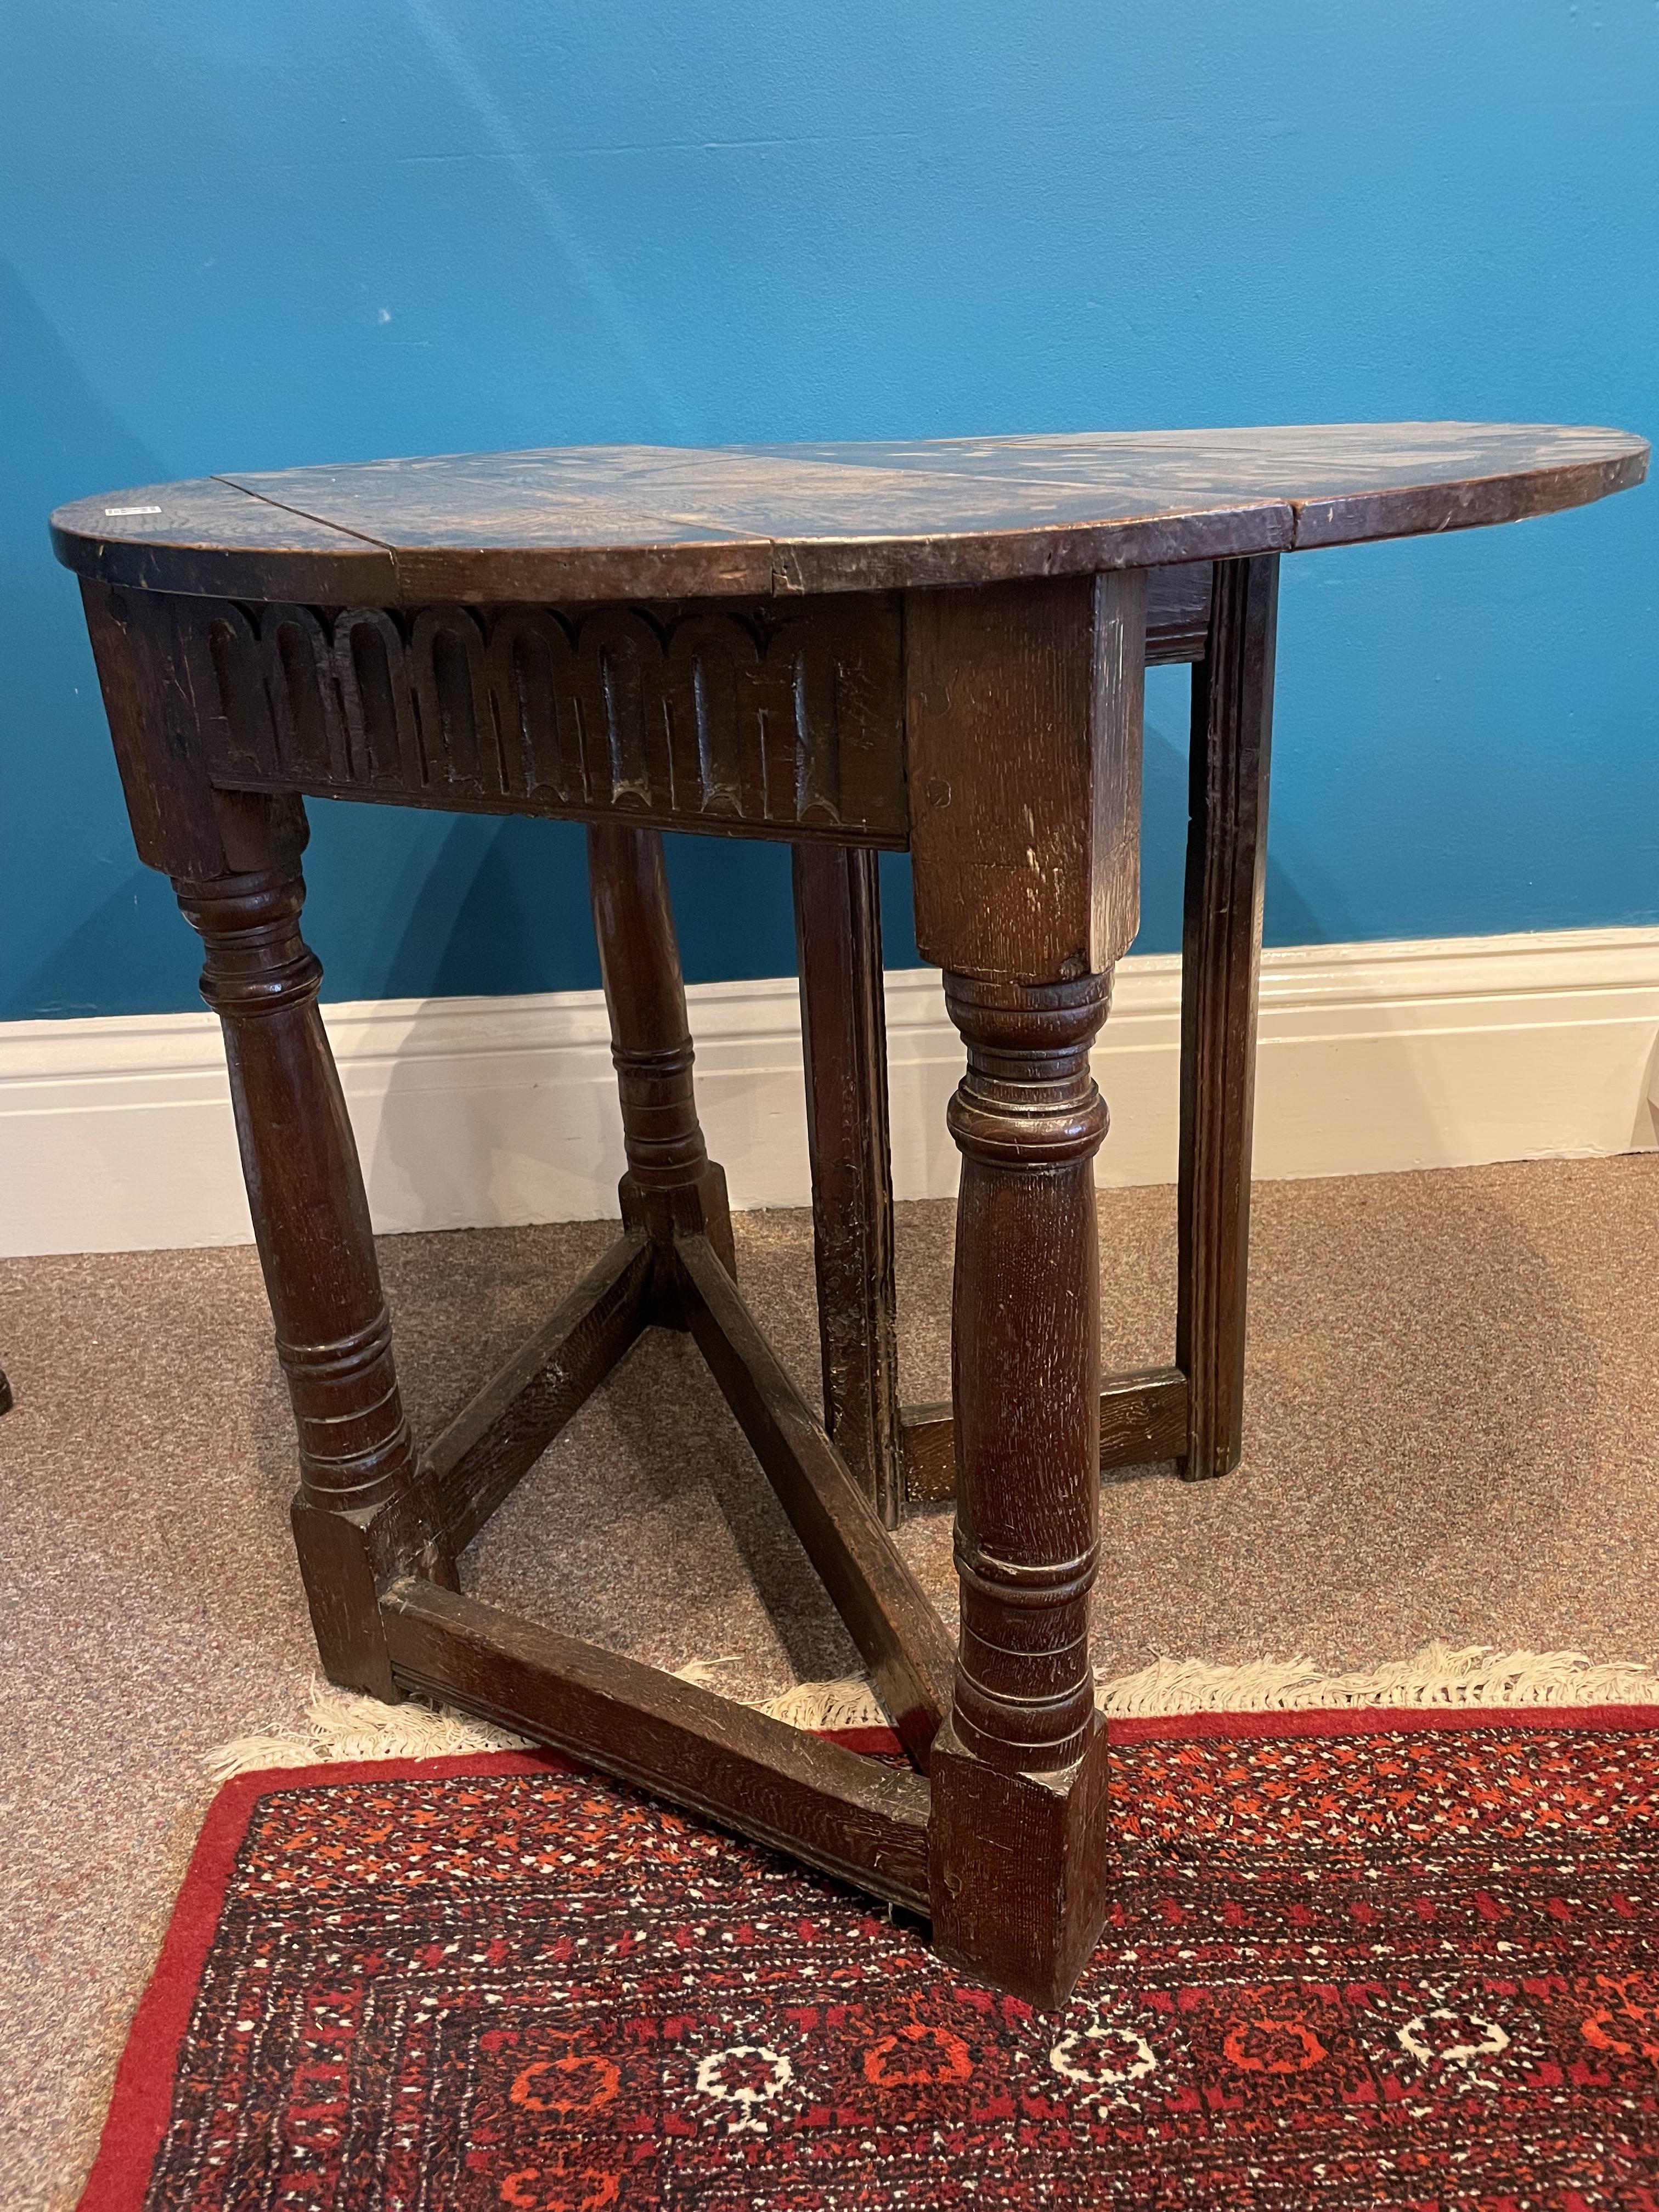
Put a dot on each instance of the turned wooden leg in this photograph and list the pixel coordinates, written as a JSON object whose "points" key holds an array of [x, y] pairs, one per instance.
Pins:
{"points": [[1018, 1774], [844, 1039], [1022, 729], [1221, 954], [360, 1515], [671, 1186]]}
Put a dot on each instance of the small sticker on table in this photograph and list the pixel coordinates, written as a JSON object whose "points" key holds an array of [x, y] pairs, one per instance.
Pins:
{"points": [[131, 510]]}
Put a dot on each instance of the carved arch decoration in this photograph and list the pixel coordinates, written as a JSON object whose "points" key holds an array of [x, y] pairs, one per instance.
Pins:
{"points": [[739, 717]]}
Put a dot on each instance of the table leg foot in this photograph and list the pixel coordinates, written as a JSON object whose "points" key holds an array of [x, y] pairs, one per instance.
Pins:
{"points": [[1020, 1867]]}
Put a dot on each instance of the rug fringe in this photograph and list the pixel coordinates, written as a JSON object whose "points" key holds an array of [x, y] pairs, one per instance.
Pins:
{"points": [[1456, 1677], [1438, 1674], [339, 1724], [848, 1704]]}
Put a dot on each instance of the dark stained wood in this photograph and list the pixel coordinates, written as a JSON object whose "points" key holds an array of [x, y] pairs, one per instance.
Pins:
{"points": [[621, 522], [760, 722], [900, 1636], [1177, 612], [1021, 1868], [1143, 1417], [940, 644], [844, 1039], [152, 720], [748, 720], [927, 1447], [585, 524], [1026, 1367], [858, 1818], [1019, 1806], [1027, 704], [745, 720], [927, 1444], [671, 1185], [1024, 743], [210, 536], [1221, 951], [363, 1509], [479, 1459]]}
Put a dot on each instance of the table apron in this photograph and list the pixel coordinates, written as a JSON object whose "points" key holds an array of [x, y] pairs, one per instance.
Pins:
{"points": [[745, 718]]}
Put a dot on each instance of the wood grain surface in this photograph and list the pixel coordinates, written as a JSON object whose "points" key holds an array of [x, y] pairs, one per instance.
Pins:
{"points": [[1220, 960], [1143, 1417], [780, 718], [1023, 739], [640, 635], [900, 1639], [844, 1046], [586, 523], [858, 1818]]}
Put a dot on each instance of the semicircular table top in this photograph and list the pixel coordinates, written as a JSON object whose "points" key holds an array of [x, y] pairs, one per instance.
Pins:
{"points": [[598, 522]]}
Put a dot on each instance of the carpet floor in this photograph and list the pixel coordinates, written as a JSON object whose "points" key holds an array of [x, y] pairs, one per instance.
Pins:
{"points": [[1452, 1411]]}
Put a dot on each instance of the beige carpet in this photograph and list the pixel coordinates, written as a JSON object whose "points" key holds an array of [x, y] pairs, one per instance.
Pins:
{"points": [[1452, 1432]]}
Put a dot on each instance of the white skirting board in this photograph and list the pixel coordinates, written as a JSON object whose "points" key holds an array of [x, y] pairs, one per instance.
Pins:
{"points": [[116, 1135]]}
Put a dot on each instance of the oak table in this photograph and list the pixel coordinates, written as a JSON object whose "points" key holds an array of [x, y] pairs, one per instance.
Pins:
{"points": [[934, 647]]}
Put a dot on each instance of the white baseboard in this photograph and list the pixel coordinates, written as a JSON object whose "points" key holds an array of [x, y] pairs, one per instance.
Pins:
{"points": [[116, 1134]]}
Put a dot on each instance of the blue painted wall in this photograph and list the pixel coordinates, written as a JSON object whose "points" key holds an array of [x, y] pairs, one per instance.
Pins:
{"points": [[295, 230]]}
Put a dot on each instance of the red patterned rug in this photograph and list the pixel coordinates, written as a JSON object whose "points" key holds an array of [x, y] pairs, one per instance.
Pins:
{"points": [[1387, 1959]]}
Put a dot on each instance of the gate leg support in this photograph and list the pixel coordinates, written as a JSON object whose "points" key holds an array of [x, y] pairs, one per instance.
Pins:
{"points": [[843, 1034], [1221, 956]]}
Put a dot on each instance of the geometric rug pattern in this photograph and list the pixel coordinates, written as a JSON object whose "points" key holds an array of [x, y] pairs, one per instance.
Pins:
{"points": [[1389, 1959]]}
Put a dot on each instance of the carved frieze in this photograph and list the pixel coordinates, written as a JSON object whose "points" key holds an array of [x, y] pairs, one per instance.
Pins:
{"points": [[741, 717]]}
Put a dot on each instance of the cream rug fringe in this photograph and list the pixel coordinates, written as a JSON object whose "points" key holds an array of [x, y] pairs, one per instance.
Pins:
{"points": [[1438, 1674], [341, 1725]]}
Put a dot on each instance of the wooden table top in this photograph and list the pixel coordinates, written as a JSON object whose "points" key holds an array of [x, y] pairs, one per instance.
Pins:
{"points": [[615, 522]]}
